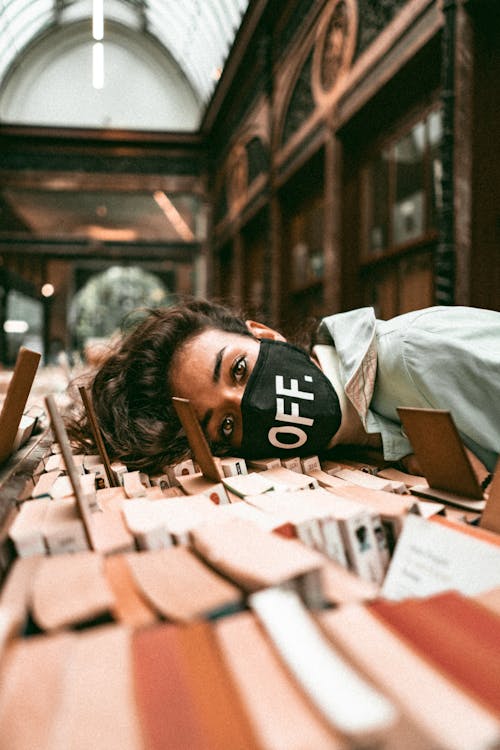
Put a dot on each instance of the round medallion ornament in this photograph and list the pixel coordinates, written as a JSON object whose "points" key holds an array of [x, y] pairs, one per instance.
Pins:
{"points": [[334, 49]]}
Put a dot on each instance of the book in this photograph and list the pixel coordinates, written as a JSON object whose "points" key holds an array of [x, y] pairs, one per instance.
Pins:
{"points": [[161, 523], [249, 484], [349, 703], [197, 440], [313, 523], [69, 590], [14, 403], [25, 531], [441, 454], [16, 590], [490, 517], [195, 484], [445, 715], [96, 704], [341, 586], [288, 479], [357, 529], [181, 587], [255, 559], [457, 634], [129, 607], [280, 714], [370, 481], [183, 696]]}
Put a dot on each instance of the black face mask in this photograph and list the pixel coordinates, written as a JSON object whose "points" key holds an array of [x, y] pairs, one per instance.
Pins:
{"points": [[289, 406]]}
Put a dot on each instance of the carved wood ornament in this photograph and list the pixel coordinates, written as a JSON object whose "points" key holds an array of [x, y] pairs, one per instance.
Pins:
{"points": [[334, 49]]}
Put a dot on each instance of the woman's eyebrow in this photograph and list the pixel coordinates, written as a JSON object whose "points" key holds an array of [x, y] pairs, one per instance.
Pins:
{"points": [[206, 419], [218, 363]]}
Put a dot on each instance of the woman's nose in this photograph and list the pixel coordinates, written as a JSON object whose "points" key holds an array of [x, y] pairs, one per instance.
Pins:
{"points": [[232, 394]]}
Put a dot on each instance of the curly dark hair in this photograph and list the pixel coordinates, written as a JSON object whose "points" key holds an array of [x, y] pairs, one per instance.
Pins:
{"points": [[131, 391]]}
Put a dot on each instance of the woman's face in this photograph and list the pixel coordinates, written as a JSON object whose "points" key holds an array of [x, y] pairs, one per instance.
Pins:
{"points": [[212, 370]]}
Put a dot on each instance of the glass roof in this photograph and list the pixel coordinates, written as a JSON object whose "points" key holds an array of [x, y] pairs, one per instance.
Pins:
{"points": [[197, 34]]}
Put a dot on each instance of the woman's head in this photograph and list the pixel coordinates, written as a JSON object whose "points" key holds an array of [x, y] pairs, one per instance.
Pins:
{"points": [[132, 390], [251, 398]]}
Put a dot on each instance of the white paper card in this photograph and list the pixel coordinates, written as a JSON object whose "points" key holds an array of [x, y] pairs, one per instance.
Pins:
{"points": [[430, 558]]}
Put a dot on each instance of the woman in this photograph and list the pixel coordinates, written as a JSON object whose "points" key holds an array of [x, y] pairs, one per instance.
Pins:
{"points": [[257, 395]]}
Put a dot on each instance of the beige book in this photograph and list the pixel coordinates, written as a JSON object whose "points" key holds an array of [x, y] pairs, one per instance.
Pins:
{"points": [[118, 469], [232, 466], [289, 479], [314, 523], [310, 463], [341, 585], [114, 495], [356, 526], [292, 463], [180, 586], [249, 484], [261, 464], [391, 507], [24, 431], [54, 461], [44, 485], [180, 469], [98, 708], [68, 590], [194, 484], [31, 690], [396, 475], [109, 532], [98, 472], [62, 527], [449, 718], [280, 714], [370, 481], [183, 514], [255, 559], [16, 591], [265, 520], [159, 524], [62, 487], [145, 524], [327, 480], [26, 529], [133, 484], [160, 480]]}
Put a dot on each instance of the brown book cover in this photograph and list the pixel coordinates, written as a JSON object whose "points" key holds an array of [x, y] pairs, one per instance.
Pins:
{"points": [[176, 671], [15, 399], [441, 454]]}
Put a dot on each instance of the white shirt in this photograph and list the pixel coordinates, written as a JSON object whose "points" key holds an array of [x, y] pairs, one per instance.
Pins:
{"points": [[440, 357]]}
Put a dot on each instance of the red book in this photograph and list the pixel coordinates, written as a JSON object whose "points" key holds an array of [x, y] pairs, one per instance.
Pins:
{"points": [[183, 692], [458, 635]]}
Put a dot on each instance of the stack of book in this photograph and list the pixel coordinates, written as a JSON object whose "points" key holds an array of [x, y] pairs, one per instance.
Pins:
{"points": [[301, 604]]}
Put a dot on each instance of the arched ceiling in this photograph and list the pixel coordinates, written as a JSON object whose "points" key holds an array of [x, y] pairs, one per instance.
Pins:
{"points": [[197, 34]]}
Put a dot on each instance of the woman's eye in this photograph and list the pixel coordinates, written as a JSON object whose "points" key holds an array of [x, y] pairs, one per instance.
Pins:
{"points": [[227, 427], [239, 369]]}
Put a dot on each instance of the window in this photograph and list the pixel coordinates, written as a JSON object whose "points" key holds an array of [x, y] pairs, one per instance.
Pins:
{"points": [[403, 188]]}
